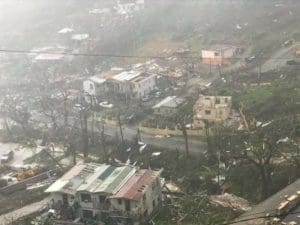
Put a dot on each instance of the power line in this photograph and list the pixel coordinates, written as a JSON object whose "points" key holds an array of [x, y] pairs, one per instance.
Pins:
{"points": [[110, 55]]}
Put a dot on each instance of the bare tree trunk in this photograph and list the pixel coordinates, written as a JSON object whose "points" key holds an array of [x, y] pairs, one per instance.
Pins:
{"points": [[185, 135], [7, 127], [121, 129], [265, 181], [84, 133]]}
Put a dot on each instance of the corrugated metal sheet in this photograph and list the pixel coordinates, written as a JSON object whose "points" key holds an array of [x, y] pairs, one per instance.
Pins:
{"points": [[93, 178], [127, 75], [90, 181], [115, 179], [136, 185]]}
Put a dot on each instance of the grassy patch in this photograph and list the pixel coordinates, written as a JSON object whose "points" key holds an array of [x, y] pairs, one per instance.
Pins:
{"points": [[256, 96]]}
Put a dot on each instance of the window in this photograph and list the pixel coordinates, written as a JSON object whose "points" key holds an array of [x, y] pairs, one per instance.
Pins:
{"points": [[120, 201], [91, 87], [88, 214], [226, 100], [218, 101], [102, 199], [217, 54], [144, 197], [207, 112], [86, 198], [153, 203]]}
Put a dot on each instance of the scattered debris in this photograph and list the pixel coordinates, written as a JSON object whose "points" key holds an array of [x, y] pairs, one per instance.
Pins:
{"points": [[283, 140], [156, 153], [142, 148], [65, 30], [230, 201], [80, 37]]}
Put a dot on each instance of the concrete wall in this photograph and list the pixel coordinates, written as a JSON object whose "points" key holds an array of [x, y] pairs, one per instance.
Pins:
{"points": [[165, 132], [165, 111], [23, 184], [217, 57], [212, 109], [145, 86]]}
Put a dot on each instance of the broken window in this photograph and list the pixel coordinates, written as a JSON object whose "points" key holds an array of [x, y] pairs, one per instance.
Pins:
{"points": [[102, 199], [207, 112], [86, 198]]}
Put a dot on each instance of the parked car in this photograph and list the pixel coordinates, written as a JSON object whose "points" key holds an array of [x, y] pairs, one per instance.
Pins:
{"points": [[7, 180], [146, 98], [292, 62], [287, 43], [7, 157], [250, 59], [106, 105]]}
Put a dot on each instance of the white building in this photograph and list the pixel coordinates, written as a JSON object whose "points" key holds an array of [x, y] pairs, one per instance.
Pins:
{"points": [[131, 84], [103, 192], [135, 84], [94, 86]]}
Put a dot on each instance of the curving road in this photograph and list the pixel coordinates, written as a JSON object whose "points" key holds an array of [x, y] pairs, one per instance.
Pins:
{"points": [[196, 147]]}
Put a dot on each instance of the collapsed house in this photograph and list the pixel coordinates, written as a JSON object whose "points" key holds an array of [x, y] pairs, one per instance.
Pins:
{"points": [[211, 109], [105, 193]]}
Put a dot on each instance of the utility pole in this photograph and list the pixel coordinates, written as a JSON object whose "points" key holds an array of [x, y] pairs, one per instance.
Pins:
{"points": [[209, 66], [259, 74], [121, 128], [139, 135]]}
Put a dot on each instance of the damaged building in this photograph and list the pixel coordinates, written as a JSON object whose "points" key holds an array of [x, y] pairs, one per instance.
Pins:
{"points": [[108, 194], [211, 109], [131, 84]]}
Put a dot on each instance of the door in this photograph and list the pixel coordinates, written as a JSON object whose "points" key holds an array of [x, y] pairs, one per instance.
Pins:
{"points": [[65, 199], [127, 205]]}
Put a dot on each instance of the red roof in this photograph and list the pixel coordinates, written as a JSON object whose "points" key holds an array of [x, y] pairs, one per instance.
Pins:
{"points": [[134, 188], [73, 172]]}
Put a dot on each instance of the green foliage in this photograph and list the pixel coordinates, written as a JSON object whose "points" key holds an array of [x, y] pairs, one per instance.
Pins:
{"points": [[296, 36], [273, 101]]}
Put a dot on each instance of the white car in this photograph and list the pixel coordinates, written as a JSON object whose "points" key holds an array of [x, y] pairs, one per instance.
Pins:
{"points": [[106, 105]]}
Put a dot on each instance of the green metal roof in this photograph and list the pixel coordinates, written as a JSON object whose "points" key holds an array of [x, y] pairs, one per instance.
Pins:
{"points": [[107, 172], [118, 177]]}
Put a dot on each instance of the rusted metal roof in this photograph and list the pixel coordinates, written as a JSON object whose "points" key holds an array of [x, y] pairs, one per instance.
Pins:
{"points": [[135, 187]]}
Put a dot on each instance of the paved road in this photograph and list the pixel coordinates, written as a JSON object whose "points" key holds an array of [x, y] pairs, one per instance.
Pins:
{"points": [[278, 60], [172, 143], [23, 212]]}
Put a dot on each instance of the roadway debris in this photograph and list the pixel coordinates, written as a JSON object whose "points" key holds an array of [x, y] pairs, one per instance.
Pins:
{"points": [[230, 201]]}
